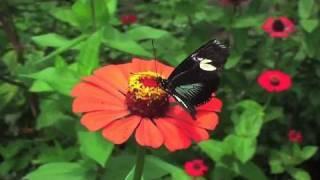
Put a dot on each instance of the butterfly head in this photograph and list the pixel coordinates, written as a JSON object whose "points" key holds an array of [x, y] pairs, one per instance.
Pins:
{"points": [[162, 83]]}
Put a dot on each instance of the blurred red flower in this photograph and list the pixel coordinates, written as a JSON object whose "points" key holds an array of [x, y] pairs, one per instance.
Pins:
{"points": [[195, 167], [295, 136], [280, 27], [128, 19], [274, 81], [126, 98]]}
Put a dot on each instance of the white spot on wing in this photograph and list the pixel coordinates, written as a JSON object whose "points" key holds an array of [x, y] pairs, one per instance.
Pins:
{"points": [[204, 65], [219, 43]]}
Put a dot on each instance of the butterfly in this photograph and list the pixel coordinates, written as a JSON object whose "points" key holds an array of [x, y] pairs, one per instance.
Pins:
{"points": [[194, 80]]}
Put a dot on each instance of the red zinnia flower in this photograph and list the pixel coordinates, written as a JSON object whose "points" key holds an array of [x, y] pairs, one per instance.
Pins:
{"points": [[295, 136], [232, 2], [280, 27], [124, 99], [195, 167], [128, 19], [274, 81]]}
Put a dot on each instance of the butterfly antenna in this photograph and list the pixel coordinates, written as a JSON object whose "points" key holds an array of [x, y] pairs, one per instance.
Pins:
{"points": [[154, 56]]}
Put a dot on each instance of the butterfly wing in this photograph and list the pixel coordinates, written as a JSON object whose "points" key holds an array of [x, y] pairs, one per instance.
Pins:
{"points": [[189, 95], [197, 77], [213, 50]]}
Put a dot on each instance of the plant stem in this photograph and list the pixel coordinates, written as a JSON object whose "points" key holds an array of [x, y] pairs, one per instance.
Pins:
{"points": [[268, 101], [138, 170], [93, 14]]}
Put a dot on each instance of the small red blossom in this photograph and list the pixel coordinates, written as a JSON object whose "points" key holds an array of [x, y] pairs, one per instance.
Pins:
{"points": [[280, 27], [295, 136], [128, 19], [274, 81], [232, 2], [195, 168]]}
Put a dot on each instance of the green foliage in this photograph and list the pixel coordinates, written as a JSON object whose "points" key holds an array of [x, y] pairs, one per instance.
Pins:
{"points": [[63, 171], [89, 54], [46, 47], [95, 146]]}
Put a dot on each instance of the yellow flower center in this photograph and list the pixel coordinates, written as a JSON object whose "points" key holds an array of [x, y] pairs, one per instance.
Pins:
{"points": [[145, 96]]}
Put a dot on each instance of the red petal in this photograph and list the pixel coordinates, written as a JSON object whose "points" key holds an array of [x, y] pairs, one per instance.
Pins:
{"points": [[267, 25], [89, 90], [177, 112], [192, 130], [283, 34], [148, 134], [207, 120], [102, 84], [163, 69], [120, 130], [97, 120], [174, 138], [88, 104], [113, 76], [214, 104]]}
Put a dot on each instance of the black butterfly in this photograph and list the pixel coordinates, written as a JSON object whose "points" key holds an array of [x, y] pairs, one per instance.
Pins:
{"points": [[197, 77]]}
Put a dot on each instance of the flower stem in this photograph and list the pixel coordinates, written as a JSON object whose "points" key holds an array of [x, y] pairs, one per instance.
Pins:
{"points": [[268, 101], [139, 163], [93, 14]]}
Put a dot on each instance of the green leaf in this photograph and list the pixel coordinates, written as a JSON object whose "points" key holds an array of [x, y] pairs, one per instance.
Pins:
{"points": [[309, 24], [250, 119], [243, 147], [65, 47], [102, 13], [222, 172], [145, 32], [51, 112], [88, 58], [305, 8], [119, 166], [215, 149], [299, 174], [308, 151], [252, 172], [50, 40], [56, 153], [82, 11], [40, 86], [12, 149], [7, 93], [117, 40], [276, 166], [6, 166], [61, 171], [176, 173], [60, 79], [273, 113], [213, 13], [131, 174], [65, 14], [95, 146], [10, 59], [248, 21], [233, 60], [112, 6]]}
